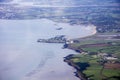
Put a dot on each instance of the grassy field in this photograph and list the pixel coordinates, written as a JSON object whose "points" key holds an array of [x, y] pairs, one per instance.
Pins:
{"points": [[93, 70], [108, 46], [90, 63]]}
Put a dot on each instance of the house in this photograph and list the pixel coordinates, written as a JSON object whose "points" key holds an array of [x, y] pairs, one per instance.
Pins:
{"points": [[111, 58], [68, 41]]}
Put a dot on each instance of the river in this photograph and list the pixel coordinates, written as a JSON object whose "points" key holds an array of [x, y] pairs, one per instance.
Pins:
{"points": [[22, 58]]}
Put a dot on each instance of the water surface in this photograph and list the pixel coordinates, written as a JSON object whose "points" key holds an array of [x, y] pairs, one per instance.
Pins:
{"points": [[22, 58]]}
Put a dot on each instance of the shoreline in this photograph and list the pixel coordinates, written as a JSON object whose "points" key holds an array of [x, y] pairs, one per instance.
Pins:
{"points": [[78, 72], [79, 49]]}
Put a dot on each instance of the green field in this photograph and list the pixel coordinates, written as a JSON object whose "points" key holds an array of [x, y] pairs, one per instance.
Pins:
{"points": [[94, 70], [90, 63], [112, 48]]}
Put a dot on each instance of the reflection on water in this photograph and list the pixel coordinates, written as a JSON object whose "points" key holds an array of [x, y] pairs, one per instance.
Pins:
{"points": [[22, 58]]}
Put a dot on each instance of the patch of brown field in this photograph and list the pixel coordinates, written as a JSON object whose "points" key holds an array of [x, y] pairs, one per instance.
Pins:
{"points": [[112, 65], [96, 45]]}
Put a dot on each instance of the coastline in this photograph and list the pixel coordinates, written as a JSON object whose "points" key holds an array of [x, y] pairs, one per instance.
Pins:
{"points": [[78, 72]]}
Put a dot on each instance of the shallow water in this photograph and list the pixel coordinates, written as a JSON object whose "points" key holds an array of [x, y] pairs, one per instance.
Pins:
{"points": [[22, 58]]}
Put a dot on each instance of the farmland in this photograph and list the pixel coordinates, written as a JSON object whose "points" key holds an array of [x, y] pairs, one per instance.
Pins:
{"points": [[97, 58]]}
